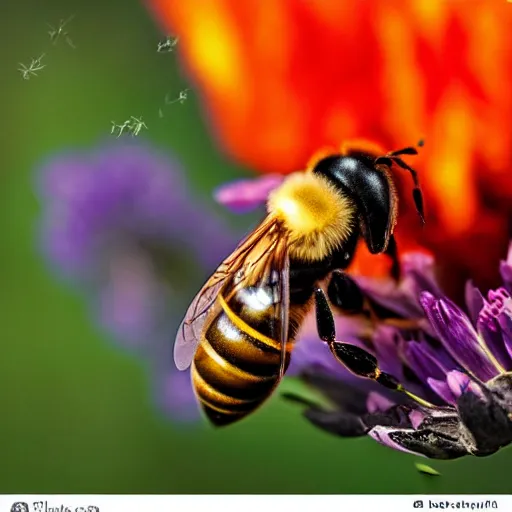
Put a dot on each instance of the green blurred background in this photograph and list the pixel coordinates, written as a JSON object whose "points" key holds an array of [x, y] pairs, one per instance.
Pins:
{"points": [[76, 413]]}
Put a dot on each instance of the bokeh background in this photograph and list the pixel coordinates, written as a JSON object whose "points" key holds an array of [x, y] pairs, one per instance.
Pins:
{"points": [[78, 412]]}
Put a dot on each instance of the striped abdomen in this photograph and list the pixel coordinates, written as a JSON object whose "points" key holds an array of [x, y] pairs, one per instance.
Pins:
{"points": [[237, 363]]}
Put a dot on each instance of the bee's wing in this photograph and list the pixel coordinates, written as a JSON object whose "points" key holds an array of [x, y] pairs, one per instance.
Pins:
{"points": [[280, 264], [261, 258], [189, 332]]}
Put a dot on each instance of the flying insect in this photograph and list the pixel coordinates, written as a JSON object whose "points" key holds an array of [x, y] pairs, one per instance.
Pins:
{"points": [[239, 331]]}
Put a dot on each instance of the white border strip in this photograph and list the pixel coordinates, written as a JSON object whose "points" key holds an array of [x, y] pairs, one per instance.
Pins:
{"points": [[250, 503]]}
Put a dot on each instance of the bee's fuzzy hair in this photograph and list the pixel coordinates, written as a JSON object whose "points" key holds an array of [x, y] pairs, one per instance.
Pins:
{"points": [[316, 215]]}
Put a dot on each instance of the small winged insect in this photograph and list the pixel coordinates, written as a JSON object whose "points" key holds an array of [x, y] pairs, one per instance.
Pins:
{"points": [[120, 128], [133, 125], [59, 32], [136, 125], [31, 70], [167, 45], [182, 97]]}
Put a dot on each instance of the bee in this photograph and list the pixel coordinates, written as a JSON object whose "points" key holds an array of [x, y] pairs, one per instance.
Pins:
{"points": [[239, 331]]}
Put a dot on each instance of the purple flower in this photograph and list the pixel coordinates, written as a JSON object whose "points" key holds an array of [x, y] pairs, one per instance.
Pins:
{"points": [[455, 366], [120, 224]]}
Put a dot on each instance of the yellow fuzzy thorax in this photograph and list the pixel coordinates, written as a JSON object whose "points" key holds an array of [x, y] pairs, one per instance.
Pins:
{"points": [[317, 216]]}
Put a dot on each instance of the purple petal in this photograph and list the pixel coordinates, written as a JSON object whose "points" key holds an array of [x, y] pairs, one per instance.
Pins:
{"points": [[427, 361], [387, 341], [506, 275], [477, 390], [506, 270], [505, 322], [376, 402], [419, 275], [442, 389], [458, 336], [460, 383], [492, 334], [416, 418], [495, 311], [457, 382], [386, 294], [474, 301], [381, 435], [246, 195]]}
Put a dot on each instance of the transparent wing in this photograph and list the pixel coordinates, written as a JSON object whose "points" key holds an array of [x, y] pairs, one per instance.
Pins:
{"points": [[261, 257], [281, 266], [190, 329]]}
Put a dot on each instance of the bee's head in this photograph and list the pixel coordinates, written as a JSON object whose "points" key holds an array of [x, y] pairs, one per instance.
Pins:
{"points": [[372, 190]]}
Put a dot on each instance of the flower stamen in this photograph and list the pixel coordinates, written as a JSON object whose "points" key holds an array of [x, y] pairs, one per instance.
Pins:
{"points": [[416, 398]]}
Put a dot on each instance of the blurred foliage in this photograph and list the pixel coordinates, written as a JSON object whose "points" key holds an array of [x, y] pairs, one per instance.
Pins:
{"points": [[77, 416]]}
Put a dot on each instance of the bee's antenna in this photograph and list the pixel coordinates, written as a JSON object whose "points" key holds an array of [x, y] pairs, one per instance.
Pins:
{"points": [[394, 156], [404, 151]]}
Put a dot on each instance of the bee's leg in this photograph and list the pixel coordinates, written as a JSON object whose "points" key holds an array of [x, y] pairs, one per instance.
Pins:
{"points": [[392, 252], [355, 359], [344, 293]]}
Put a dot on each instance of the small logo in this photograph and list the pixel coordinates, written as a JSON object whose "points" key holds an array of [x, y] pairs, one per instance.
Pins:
{"points": [[418, 504], [19, 506]]}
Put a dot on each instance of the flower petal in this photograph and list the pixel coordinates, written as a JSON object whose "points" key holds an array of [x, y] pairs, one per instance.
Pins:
{"points": [[385, 293], [418, 274], [506, 269], [506, 274], [442, 389], [474, 301], [246, 195], [387, 342], [383, 436], [497, 307], [505, 322], [416, 417], [427, 442], [346, 396], [426, 361], [457, 382], [339, 423], [458, 336], [377, 402]]}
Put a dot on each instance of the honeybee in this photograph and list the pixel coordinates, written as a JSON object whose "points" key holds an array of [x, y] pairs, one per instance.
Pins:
{"points": [[240, 329]]}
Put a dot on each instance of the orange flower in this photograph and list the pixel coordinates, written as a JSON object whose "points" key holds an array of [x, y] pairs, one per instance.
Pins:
{"points": [[282, 79]]}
